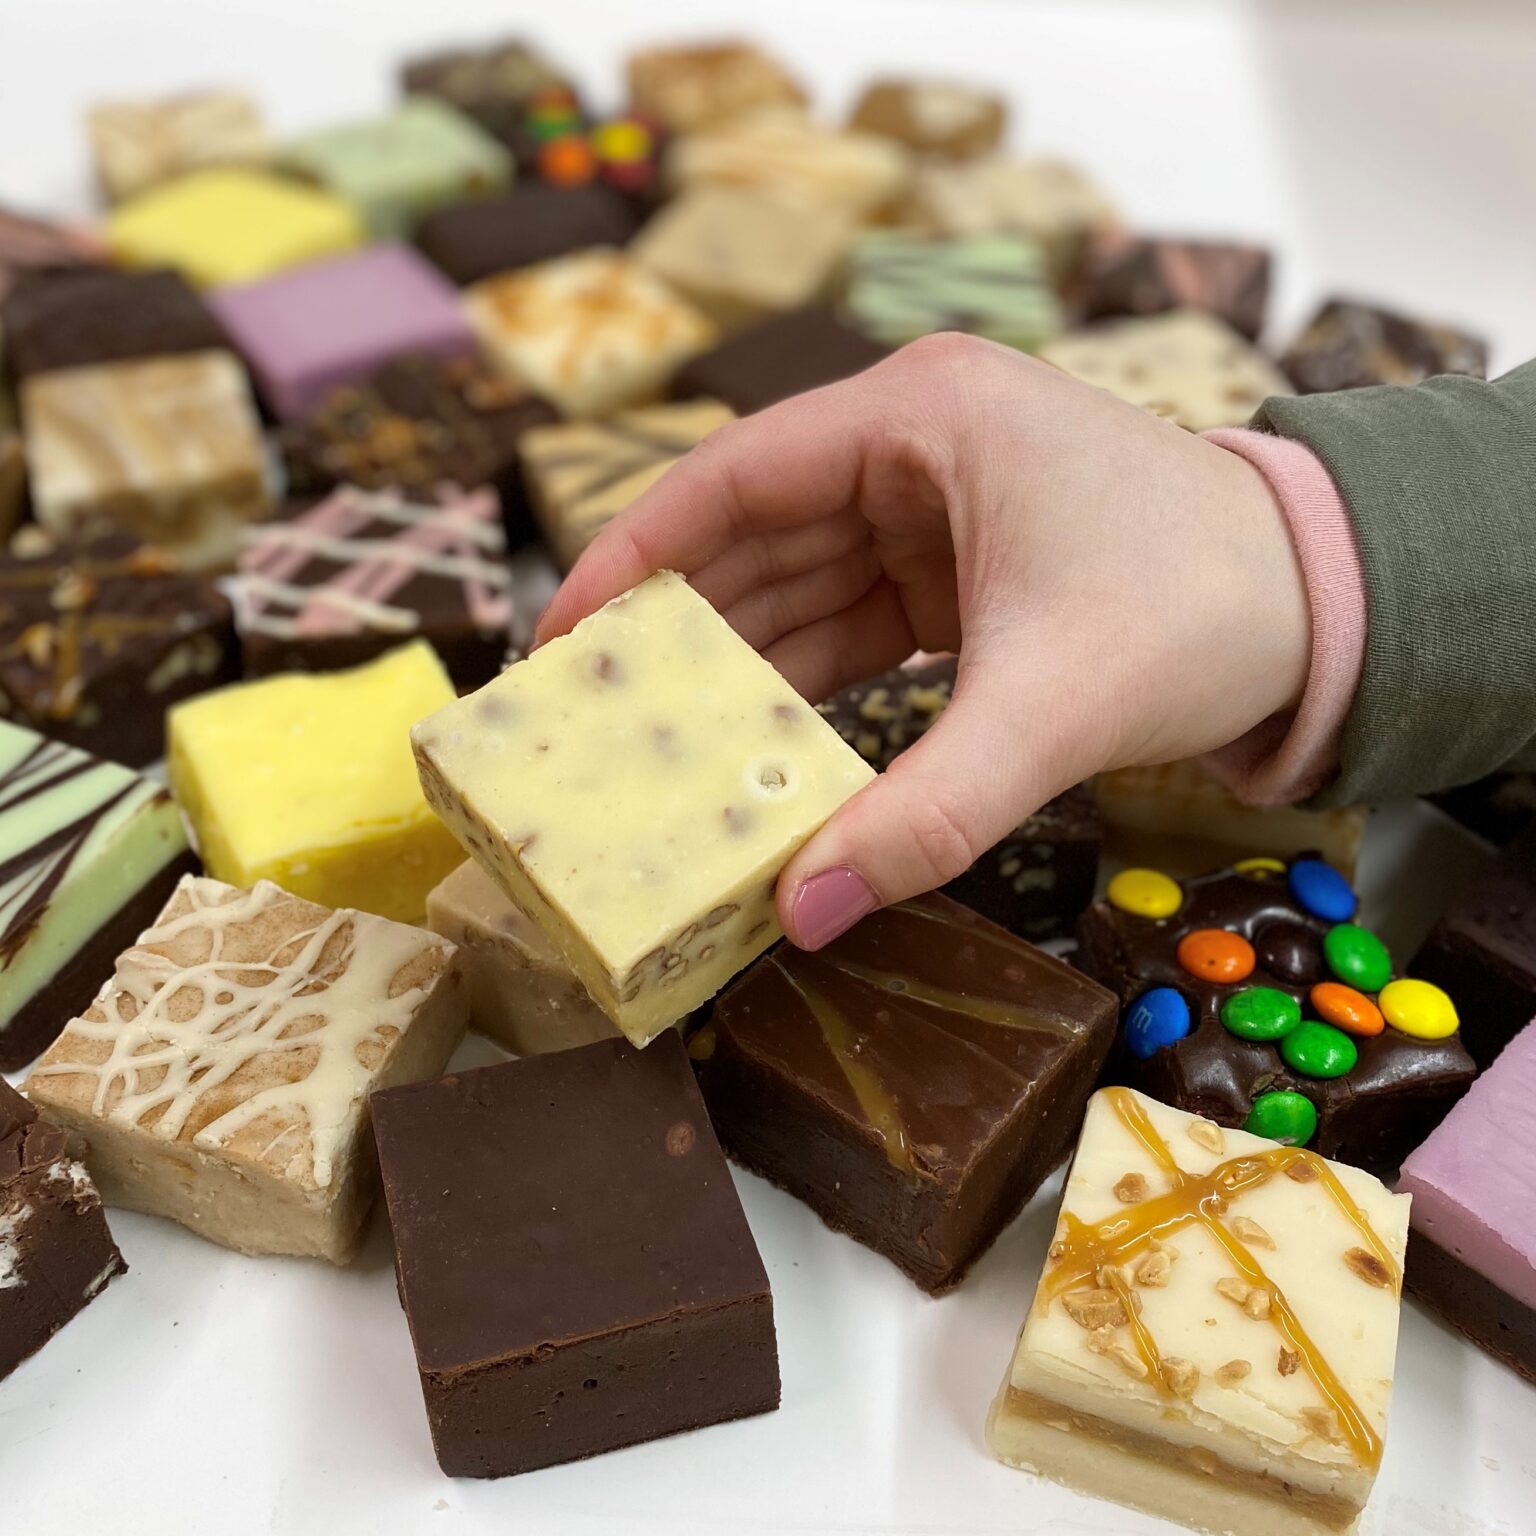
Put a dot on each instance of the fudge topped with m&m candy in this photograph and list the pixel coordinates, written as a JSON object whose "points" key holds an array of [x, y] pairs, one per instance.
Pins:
{"points": [[1254, 997]]}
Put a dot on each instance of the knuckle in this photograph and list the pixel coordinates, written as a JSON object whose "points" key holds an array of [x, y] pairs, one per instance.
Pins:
{"points": [[944, 843]]}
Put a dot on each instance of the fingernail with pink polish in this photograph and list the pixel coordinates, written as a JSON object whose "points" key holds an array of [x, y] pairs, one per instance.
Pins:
{"points": [[828, 904]]}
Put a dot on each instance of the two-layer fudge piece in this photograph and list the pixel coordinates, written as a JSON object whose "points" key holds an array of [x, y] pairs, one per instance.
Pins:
{"points": [[591, 332], [939, 118], [137, 145], [221, 1076], [1349, 345], [607, 1294], [777, 358], [1483, 952], [350, 578], [1185, 366], [1126, 274], [635, 787], [1472, 1250], [913, 1082], [308, 781], [903, 286], [1213, 1338], [495, 85], [99, 638], [1038, 880], [580, 474], [29, 246], [56, 1254], [335, 322], [520, 991], [698, 85], [1252, 996], [89, 852]]}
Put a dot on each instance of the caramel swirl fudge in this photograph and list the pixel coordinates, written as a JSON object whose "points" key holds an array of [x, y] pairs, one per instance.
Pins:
{"points": [[1212, 1340], [221, 1077], [635, 787]]}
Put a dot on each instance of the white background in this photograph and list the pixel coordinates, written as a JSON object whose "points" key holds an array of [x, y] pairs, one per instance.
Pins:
{"points": [[1387, 149]]}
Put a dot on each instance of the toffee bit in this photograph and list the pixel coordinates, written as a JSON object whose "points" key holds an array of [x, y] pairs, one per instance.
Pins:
{"points": [[1094, 1309], [1259, 1304], [1154, 1270], [1209, 1136], [1233, 1289], [1301, 1171], [1289, 1362], [1131, 1189], [1232, 1372], [1250, 1232], [1368, 1267], [1180, 1376]]}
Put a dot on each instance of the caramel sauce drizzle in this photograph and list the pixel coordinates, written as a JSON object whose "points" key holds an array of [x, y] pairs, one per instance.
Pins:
{"points": [[987, 1010], [1083, 1251]]}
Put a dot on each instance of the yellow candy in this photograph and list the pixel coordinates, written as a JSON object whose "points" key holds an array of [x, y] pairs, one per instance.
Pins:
{"points": [[622, 141], [1418, 1008], [1259, 866], [1145, 893]]}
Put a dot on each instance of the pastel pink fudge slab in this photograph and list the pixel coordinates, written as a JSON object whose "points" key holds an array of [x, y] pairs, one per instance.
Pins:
{"points": [[334, 322]]}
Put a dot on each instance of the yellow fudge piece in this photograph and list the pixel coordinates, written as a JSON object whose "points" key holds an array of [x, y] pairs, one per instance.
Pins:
{"points": [[636, 787], [307, 781], [231, 226]]}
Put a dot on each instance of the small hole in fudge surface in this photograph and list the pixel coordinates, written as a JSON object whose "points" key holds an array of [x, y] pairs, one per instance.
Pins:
{"points": [[770, 777], [590, 1383]]}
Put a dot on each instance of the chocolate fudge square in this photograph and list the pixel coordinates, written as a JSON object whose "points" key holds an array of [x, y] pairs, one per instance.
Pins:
{"points": [[68, 319], [572, 1257], [1483, 952], [781, 357], [913, 1082], [1349, 345], [56, 1253], [1126, 274]]}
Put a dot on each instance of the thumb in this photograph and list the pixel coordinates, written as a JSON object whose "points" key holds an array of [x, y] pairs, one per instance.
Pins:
{"points": [[959, 790]]}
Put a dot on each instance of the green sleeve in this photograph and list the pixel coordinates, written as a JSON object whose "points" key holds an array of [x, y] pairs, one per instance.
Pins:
{"points": [[1440, 483]]}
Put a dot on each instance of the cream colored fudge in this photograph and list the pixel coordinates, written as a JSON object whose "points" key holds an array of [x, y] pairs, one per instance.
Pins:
{"points": [[221, 1077], [933, 117], [635, 787], [139, 144], [1213, 1337], [591, 332], [520, 991], [694, 86]]}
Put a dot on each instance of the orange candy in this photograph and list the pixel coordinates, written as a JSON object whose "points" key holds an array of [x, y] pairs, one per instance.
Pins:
{"points": [[1213, 954], [567, 162], [1351, 1011]]}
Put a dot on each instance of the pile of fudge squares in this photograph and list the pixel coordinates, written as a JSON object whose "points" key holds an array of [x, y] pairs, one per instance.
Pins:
{"points": [[289, 417]]}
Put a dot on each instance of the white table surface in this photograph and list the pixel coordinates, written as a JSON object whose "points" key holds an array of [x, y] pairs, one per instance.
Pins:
{"points": [[1387, 149]]}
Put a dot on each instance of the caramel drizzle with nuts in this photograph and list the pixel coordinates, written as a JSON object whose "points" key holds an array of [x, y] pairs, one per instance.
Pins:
{"points": [[1084, 1253]]}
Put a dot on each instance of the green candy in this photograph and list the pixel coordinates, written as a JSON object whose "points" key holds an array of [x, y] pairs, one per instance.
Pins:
{"points": [[1261, 1013], [1319, 1050], [1282, 1116], [1357, 957]]}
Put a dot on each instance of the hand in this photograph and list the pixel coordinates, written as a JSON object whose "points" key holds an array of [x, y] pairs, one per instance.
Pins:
{"points": [[1118, 592]]}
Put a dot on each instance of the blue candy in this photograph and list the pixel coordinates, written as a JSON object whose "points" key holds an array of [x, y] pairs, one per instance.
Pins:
{"points": [[1157, 1018], [1322, 890]]}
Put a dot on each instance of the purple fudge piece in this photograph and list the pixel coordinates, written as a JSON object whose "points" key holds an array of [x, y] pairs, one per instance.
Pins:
{"points": [[334, 322], [1472, 1252]]}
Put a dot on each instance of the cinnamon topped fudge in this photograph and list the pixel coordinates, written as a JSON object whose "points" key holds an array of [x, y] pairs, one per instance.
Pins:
{"points": [[221, 1077], [1213, 1337]]}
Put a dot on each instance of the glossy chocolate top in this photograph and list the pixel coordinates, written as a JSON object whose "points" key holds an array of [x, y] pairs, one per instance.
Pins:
{"points": [[27, 1142]]}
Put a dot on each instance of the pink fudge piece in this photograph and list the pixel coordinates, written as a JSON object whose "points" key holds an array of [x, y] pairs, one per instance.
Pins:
{"points": [[334, 322], [1474, 1181]]}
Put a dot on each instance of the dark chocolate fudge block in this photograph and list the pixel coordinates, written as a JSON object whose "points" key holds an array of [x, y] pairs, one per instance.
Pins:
{"points": [[1125, 274], [496, 85], [573, 1260], [342, 582], [913, 1082], [1498, 807], [784, 356], [1347, 345], [416, 423], [1483, 952], [69, 319], [532, 223], [56, 1253], [99, 639], [1038, 880], [1252, 998]]}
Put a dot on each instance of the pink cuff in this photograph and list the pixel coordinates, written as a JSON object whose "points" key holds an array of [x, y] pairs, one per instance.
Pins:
{"points": [[1291, 756]]}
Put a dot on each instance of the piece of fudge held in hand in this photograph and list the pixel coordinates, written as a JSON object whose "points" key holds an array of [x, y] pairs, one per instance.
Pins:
{"points": [[1251, 996], [89, 853], [56, 1253], [913, 1082], [608, 1294], [520, 991], [221, 1077], [1213, 1337], [1472, 1251], [635, 787], [1038, 880]]}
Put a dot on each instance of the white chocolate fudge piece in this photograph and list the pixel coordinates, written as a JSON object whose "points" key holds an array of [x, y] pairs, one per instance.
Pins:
{"points": [[221, 1077], [1187, 366], [1213, 1337], [635, 787], [591, 332], [520, 991]]}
